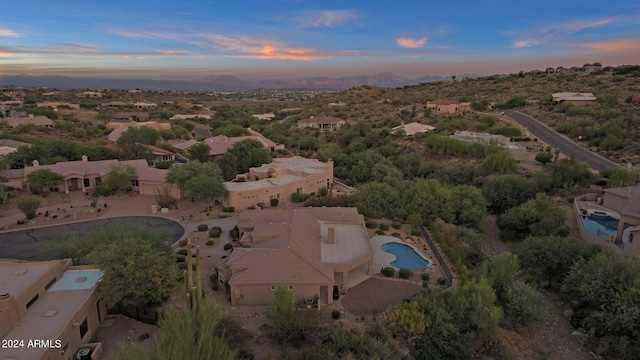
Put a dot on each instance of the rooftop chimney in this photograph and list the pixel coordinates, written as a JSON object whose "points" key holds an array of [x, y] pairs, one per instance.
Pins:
{"points": [[331, 236], [85, 158], [36, 163]]}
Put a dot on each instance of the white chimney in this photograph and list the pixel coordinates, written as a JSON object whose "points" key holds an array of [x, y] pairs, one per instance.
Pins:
{"points": [[331, 236], [36, 163], [85, 158]]}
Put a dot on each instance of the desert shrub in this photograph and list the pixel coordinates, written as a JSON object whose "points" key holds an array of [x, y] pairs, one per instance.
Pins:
{"points": [[299, 198], [164, 198], [389, 271], [371, 224], [29, 205], [424, 276], [163, 165], [415, 232], [274, 202], [216, 228], [404, 273], [183, 242], [228, 209], [182, 252], [396, 225], [323, 191], [214, 233], [203, 227], [335, 314], [384, 226], [442, 280], [379, 232], [227, 246], [396, 234], [180, 258], [210, 242]]}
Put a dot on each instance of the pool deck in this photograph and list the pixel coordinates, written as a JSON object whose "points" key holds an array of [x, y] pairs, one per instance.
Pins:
{"points": [[382, 258]]}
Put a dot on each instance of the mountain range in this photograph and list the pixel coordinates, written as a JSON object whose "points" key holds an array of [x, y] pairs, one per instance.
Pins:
{"points": [[219, 83]]}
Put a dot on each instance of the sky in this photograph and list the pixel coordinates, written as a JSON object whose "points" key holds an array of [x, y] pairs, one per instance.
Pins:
{"points": [[280, 39]]}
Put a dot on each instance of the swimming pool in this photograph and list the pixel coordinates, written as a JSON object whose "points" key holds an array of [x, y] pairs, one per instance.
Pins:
{"points": [[406, 256], [604, 226]]}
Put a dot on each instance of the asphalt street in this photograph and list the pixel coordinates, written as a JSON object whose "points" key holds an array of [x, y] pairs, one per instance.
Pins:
{"points": [[566, 146], [29, 244]]}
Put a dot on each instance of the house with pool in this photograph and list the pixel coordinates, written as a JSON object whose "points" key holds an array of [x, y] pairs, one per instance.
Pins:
{"points": [[309, 250], [611, 219]]}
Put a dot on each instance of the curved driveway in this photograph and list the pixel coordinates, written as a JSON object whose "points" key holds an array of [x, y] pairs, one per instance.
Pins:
{"points": [[28, 244], [558, 141]]}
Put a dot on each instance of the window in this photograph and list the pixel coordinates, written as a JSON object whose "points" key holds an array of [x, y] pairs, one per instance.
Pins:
{"points": [[273, 287], [135, 182], [32, 301], [86, 183], [84, 328], [98, 181], [46, 287]]}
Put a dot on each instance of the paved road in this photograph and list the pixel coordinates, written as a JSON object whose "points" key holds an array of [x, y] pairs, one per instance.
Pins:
{"points": [[566, 146], [205, 133], [29, 244]]}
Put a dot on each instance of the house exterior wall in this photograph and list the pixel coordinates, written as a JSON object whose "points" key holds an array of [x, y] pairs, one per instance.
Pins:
{"points": [[263, 294], [150, 188], [613, 201]]}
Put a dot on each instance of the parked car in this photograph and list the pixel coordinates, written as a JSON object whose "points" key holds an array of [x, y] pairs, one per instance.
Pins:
{"points": [[336, 292]]}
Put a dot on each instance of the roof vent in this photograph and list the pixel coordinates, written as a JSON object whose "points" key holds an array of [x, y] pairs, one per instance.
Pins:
{"points": [[20, 271], [4, 296], [81, 279], [331, 236], [50, 313]]}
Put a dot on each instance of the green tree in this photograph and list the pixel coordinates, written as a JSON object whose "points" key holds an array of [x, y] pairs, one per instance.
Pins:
{"points": [[250, 153], [200, 152], [523, 305], [536, 217], [290, 324], [131, 143], [205, 188], [500, 163], [180, 175], [506, 191], [43, 178], [29, 205], [548, 259], [360, 173], [228, 164], [544, 157], [122, 260], [119, 177], [621, 177], [406, 320], [377, 200], [188, 333], [568, 174]]}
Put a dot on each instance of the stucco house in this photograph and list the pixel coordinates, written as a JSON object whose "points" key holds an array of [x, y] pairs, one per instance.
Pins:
{"points": [[626, 202], [31, 119], [307, 249], [278, 180], [84, 175], [448, 106], [574, 98], [412, 128], [322, 123], [161, 155], [49, 301], [8, 146]]}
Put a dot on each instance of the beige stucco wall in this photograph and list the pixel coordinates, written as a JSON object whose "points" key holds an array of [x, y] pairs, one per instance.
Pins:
{"points": [[311, 184], [263, 295], [613, 201]]}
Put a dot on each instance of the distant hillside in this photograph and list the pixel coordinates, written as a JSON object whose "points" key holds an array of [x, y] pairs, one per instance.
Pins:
{"points": [[217, 83]]}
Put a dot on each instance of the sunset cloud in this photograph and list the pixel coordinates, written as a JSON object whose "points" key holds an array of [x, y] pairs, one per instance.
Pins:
{"points": [[8, 33], [258, 48], [411, 43], [615, 45], [327, 18], [143, 34], [553, 32]]}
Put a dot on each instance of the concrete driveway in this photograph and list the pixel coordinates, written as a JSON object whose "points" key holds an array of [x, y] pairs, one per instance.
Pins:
{"points": [[29, 244]]}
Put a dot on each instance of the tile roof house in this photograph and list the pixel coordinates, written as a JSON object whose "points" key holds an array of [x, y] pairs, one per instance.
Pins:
{"points": [[574, 98], [161, 155], [85, 175], [322, 123], [412, 129], [8, 146], [189, 116], [49, 301], [278, 180], [35, 120], [307, 249], [448, 106], [626, 202]]}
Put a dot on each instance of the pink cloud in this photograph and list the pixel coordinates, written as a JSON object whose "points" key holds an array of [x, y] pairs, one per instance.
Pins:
{"points": [[554, 32], [8, 33], [328, 18], [615, 45], [260, 48], [525, 43], [411, 43]]}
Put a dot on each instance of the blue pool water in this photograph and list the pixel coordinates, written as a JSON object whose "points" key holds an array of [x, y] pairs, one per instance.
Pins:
{"points": [[406, 256], [607, 226]]}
